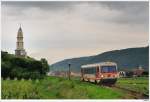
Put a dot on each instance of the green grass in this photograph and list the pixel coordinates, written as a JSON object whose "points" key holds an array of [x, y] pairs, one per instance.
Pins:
{"points": [[13, 89], [55, 88], [62, 88], [139, 84]]}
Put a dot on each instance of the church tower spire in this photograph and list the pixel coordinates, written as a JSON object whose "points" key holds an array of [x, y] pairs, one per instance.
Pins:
{"points": [[20, 51]]}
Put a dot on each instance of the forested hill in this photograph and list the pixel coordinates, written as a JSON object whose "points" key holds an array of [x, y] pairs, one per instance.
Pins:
{"points": [[127, 59]]}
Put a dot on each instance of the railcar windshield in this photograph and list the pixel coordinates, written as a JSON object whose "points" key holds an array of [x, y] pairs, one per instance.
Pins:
{"points": [[108, 69]]}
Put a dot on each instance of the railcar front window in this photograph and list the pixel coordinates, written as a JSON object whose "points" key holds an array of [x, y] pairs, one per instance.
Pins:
{"points": [[108, 69]]}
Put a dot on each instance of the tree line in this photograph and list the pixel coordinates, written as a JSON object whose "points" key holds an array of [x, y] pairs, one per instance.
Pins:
{"points": [[19, 67]]}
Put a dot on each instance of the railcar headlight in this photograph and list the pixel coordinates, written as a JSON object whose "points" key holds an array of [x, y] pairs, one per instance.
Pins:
{"points": [[116, 75], [102, 76]]}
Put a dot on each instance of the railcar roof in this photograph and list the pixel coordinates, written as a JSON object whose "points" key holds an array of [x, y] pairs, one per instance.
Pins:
{"points": [[98, 64]]}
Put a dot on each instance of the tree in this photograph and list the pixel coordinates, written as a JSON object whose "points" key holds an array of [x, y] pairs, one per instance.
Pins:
{"points": [[19, 67], [5, 69], [45, 66]]}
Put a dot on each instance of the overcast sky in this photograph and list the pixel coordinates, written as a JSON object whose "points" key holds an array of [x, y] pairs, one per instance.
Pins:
{"points": [[61, 30]]}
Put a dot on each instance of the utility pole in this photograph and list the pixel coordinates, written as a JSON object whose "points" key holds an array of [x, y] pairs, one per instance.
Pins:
{"points": [[69, 71]]}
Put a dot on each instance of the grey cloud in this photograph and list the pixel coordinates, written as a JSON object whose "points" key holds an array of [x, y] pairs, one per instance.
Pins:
{"points": [[133, 12], [54, 5], [19, 7], [46, 5]]}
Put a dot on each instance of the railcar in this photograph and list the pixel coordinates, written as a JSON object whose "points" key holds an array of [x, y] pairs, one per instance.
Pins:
{"points": [[101, 73]]}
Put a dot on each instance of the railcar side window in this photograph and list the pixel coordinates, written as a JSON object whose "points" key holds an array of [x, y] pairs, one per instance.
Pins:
{"points": [[108, 69], [90, 70]]}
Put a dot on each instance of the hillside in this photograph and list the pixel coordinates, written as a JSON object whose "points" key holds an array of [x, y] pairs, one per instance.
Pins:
{"points": [[127, 59]]}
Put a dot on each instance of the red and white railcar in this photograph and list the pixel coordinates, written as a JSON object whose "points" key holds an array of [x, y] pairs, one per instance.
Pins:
{"points": [[103, 73]]}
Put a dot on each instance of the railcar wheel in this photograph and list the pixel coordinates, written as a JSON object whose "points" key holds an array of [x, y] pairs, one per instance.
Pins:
{"points": [[82, 79], [95, 82]]}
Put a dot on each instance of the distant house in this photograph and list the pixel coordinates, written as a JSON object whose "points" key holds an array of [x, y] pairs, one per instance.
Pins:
{"points": [[51, 73], [129, 74], [58, 73], [75, 74], [138, 72], [122, 74]]}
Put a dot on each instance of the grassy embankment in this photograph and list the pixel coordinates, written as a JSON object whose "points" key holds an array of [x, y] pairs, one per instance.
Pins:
{"points": [[139, 84], [55, 88]]}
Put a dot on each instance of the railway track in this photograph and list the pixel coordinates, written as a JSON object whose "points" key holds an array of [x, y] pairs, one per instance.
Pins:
{"points": [[130, 93]]}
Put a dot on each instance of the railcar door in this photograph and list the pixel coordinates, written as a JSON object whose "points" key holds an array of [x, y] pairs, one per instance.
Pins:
{"points": [[97, 72], [82, 72]]}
